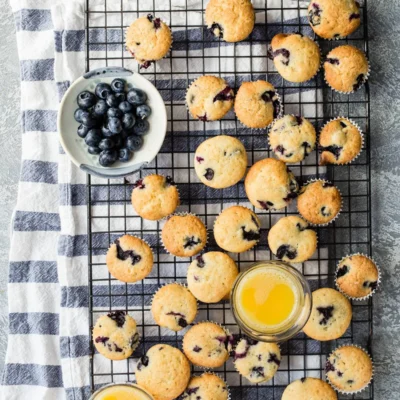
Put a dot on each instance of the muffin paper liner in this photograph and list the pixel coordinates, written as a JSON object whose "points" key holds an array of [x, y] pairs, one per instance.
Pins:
{"points": [[184, 286], [218, 376], [359, 390], [229, 250], [359, 130], [269, 141], [182, 214], [372, 291], [229, 348], [336, 216], [366, 76]]}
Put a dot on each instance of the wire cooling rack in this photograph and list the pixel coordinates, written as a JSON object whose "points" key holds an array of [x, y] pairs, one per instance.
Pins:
{"points": [[196, 52]]}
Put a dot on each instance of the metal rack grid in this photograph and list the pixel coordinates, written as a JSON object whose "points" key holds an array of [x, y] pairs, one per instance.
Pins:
{"points": [[196, 52]]}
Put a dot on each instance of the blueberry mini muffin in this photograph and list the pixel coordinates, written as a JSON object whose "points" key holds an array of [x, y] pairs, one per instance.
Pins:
{"points": [[220, 162], [349, 369], [237, 229], [330, 315], [270, 185], [129, 259], [291, 240], [296, 57], [309, 389], [346, 69], [148, 39], [257, 104], [155, 197], [211, 276], [209, 98], [340, 142], [163, 371], [115, 335], [231, 20], [357, 276], [174, 307], [256, 361], [319, 202], [206, 345], [184, 235], [334, 19], [207, 386], [292, 138]]}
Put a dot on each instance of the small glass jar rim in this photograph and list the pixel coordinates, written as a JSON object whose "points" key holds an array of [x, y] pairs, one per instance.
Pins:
{"points": [[278, 336], [133, 385]]}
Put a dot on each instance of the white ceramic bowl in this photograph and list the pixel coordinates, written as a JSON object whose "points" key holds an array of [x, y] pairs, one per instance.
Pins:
{"points": [[75, 146]]}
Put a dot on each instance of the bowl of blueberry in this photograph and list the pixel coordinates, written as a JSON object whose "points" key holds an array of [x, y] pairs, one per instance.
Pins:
{"points": [[112, 122]]}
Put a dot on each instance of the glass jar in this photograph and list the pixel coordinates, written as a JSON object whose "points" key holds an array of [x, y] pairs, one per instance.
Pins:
{"points": [[299, 313], [132, 389]]}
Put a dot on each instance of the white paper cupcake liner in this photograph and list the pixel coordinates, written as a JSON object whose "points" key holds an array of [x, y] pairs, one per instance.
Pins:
{"points": [[359, 390], [372, 291], [359, 130], [336, 216], [182, 214]]}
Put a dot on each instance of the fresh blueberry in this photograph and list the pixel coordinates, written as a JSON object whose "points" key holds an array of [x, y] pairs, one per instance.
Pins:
{"points": [[106, 144], [134, 143], [124, 154], [143, 111], [117, 139], [93, 137], [86, 100], [114, 113], [118, 85], [79, 113], [100, 107], [128, 120], [141, 127], [125, 107], [114, 125], [136, 97], [94, 150], [102, 90], [112, 100], [82, 131], [108, 157], [120, 97], [105, 131], [89, 120]]}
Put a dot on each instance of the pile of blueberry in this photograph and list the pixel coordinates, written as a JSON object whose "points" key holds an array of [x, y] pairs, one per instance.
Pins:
{"points": [[113, 121]]}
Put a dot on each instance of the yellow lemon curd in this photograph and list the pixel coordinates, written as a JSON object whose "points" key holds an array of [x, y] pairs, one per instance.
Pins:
{"points": [[122, 392]]}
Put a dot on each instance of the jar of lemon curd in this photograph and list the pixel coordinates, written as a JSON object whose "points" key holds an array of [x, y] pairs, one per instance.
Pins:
{"points": [[271, 301], [121, 391]]}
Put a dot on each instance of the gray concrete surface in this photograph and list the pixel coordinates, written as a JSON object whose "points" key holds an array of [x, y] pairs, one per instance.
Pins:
{"points": [[385, 134]]}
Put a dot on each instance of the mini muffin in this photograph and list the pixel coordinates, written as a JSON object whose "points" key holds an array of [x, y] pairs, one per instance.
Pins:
{"points": [[309, 389], [174, 307], [220, 162], [231, 20], [129, 259], [291, 240], [206, 345], [346, 69], [357, 276], [340, 142], [237, 229], [209, 98], [184, 235], [115, 335], [257, 104], [256, 361], [207, 386], [297, 58], [270, 185], [330, 315], [292, 138], [349, 369], [211, 276], [148, 39], [155, 197], [164, 372], [319, 202], [334, 19]]}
